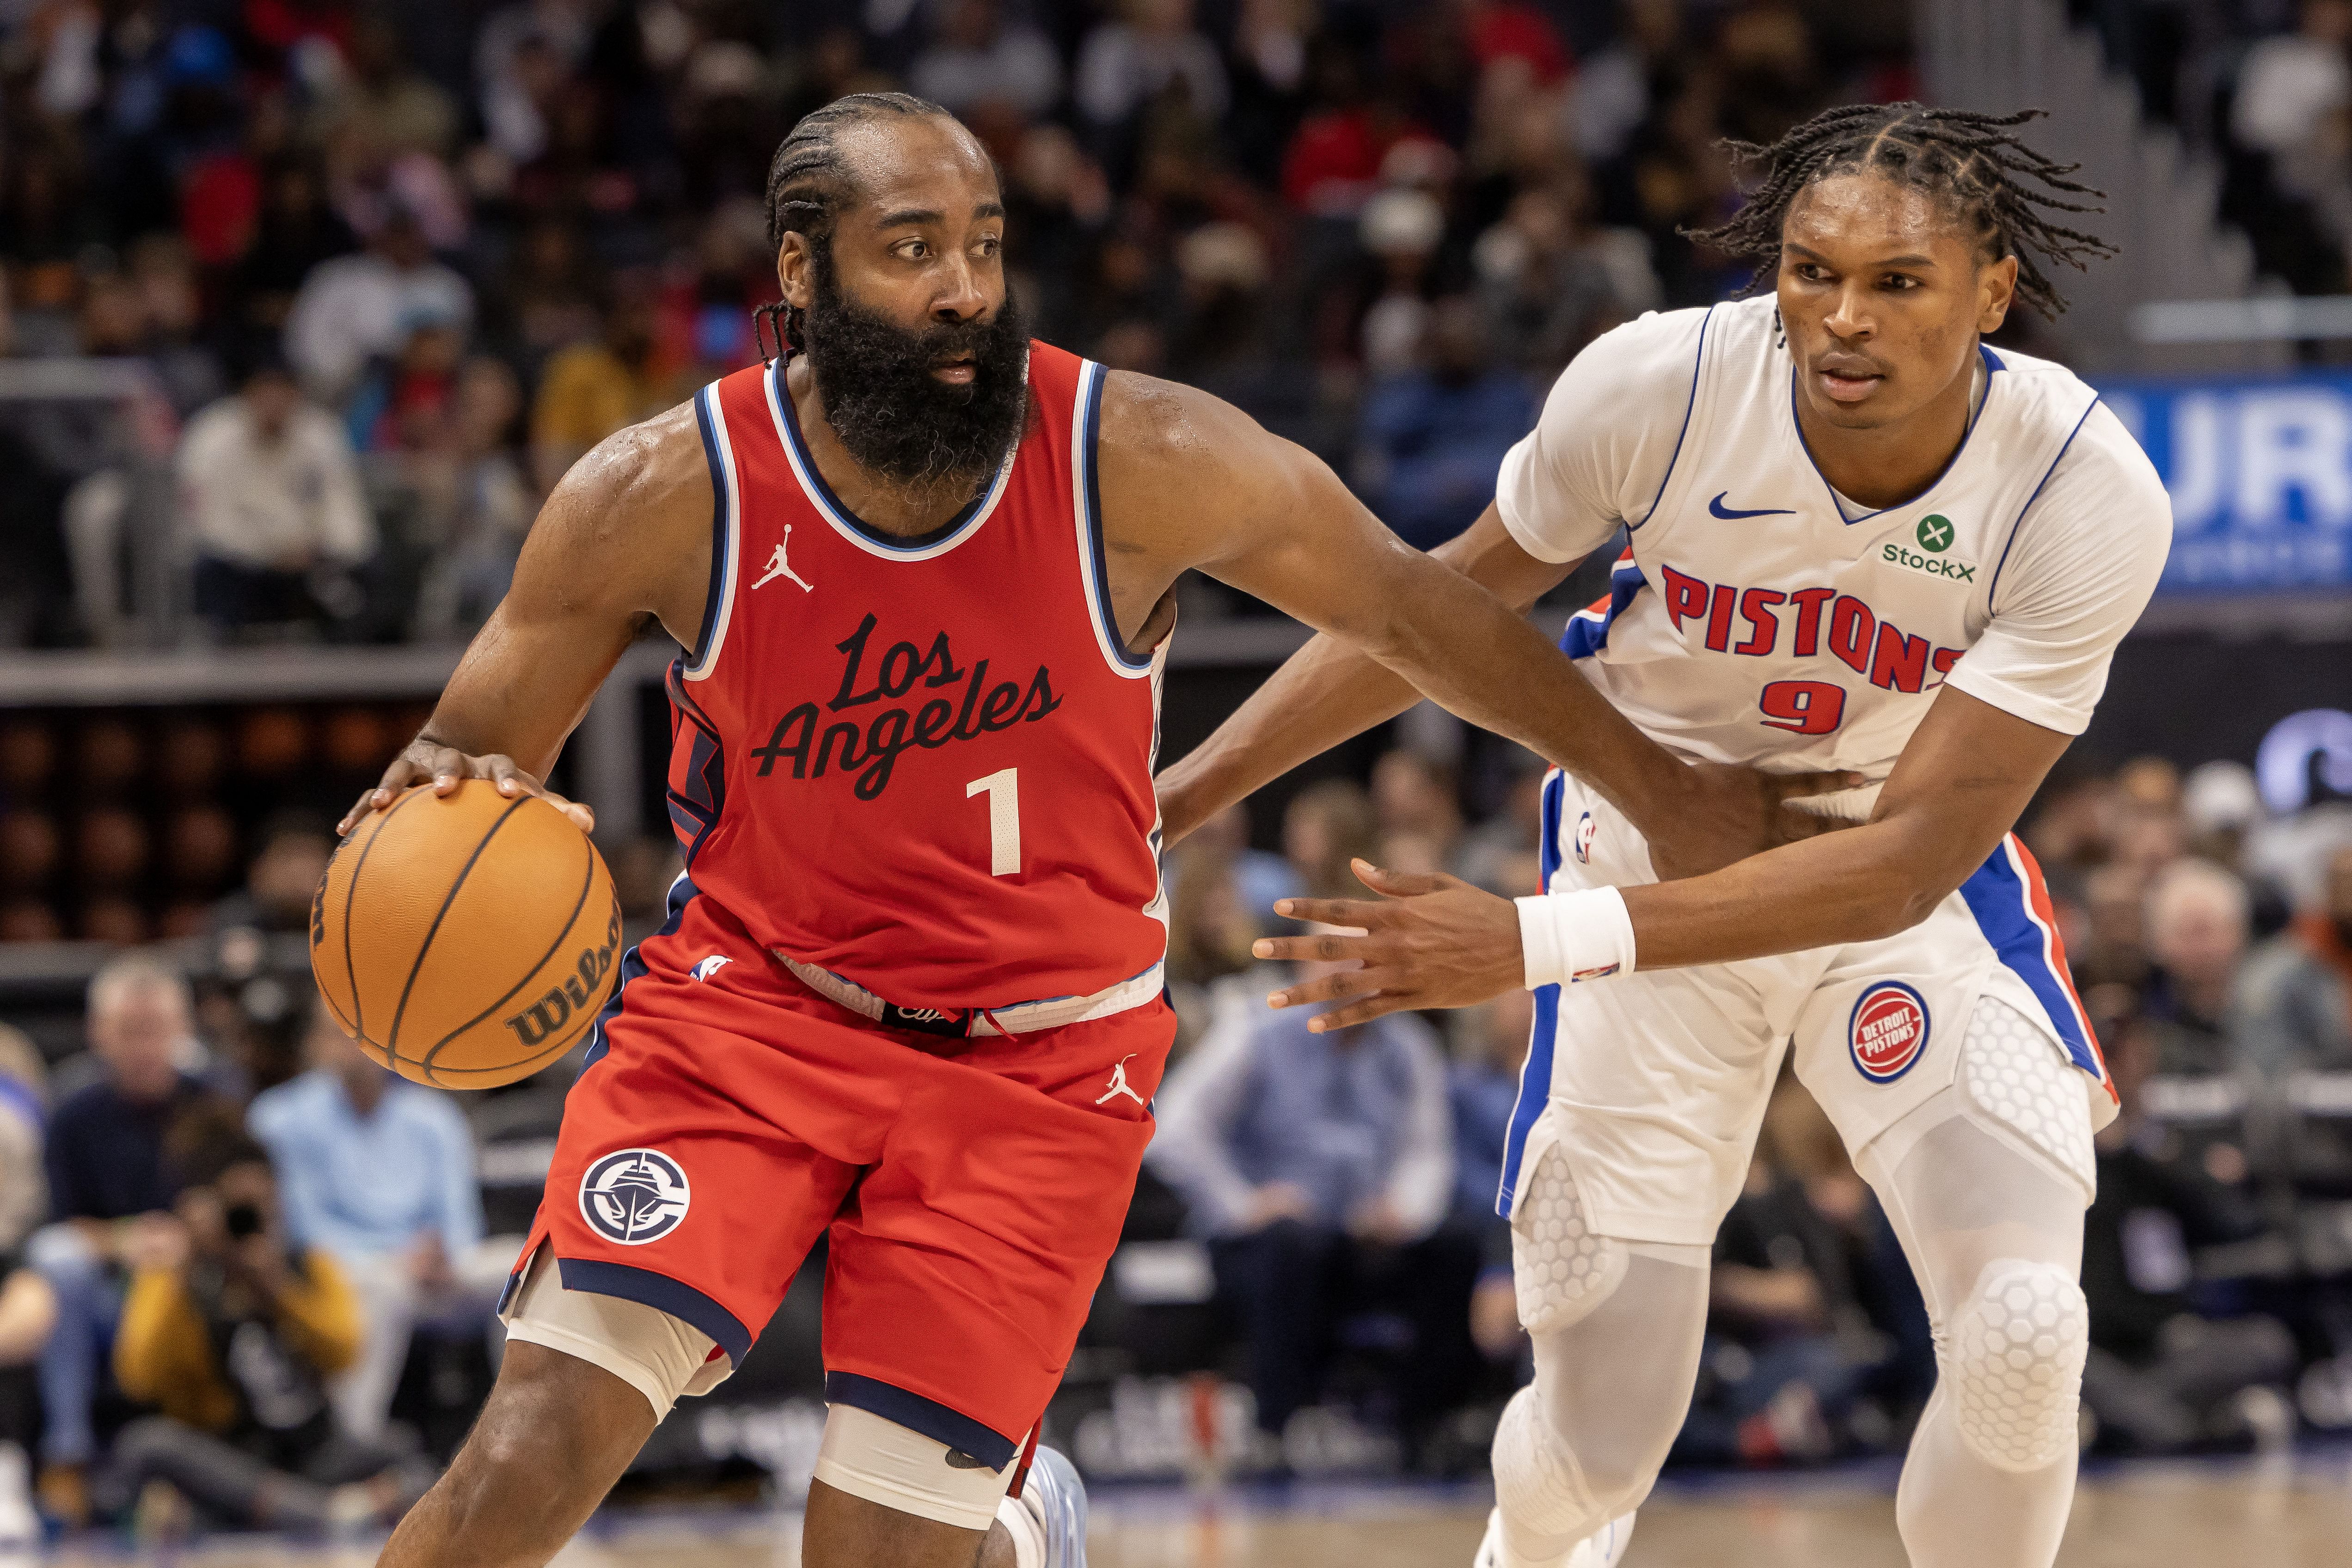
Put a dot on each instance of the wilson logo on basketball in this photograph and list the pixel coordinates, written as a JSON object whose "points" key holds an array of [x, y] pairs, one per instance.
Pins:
{"points": [[546, 1018], [1888, 1030]]}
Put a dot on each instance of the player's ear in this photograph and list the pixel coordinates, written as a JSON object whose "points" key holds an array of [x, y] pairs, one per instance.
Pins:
{"points": [[1996, 291], [796, 270]]}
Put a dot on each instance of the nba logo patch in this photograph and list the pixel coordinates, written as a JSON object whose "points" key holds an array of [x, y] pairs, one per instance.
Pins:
{"points": [[1888, 1030], [634, 1196], [1586, 830]]}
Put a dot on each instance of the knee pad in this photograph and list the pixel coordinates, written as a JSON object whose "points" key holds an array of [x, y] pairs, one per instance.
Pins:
{"points": [[1537, 1482], [2013, 1074], [1561, 1269], [2016, 1365]]}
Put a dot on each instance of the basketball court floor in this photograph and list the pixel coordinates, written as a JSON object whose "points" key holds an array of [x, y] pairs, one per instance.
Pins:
{"points": [[2282, 1513]]}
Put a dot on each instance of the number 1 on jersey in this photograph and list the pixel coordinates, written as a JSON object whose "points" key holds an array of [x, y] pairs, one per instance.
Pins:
{"points": [[1004, 789]]}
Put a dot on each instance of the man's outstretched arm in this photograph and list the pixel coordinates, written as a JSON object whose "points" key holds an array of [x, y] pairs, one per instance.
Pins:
{"points": [[1195, 482], [1436, 941]]}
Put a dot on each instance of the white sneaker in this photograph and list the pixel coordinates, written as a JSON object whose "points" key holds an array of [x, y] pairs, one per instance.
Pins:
{"points": [[1604, 1550], [1057, 1498]]}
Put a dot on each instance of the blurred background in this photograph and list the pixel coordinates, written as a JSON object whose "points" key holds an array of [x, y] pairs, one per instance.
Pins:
{"points": [[305, 304]]}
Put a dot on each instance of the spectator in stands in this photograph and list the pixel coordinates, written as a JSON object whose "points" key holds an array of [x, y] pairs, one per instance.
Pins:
{"points": [[355, 309], [28, 1311], [378, 1174], [1326, 826], [1210, 929], [109, 1189], [24, 1108], [1149, 50], [1319, 1166], [1434, 437], [231, 1327], [290, 860], [1414, 794], [2195, 936], [272, 499], [980, 58], [2295, 88], [1811, 1307], [485, 505], [593, 389], [1484, 1085], [2162, 1377], [2295, 993]]}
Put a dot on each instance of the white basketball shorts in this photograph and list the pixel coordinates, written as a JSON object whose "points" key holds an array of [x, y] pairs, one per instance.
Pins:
{"points": [[1653, 1084]]}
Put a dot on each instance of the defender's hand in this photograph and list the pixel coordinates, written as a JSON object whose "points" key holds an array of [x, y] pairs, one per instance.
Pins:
{"points": [[1432, 941], [1723, 813], [445, 766]]}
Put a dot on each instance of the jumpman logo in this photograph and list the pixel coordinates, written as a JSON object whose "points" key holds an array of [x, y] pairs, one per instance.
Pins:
{"points": [[779, 567], [1118, 1084]]}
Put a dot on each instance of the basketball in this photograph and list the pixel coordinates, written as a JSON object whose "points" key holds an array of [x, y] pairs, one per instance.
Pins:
{"points": [[467, 939]]}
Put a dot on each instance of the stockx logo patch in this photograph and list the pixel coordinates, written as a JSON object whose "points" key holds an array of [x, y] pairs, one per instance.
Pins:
{"points": [[1935, 534]]}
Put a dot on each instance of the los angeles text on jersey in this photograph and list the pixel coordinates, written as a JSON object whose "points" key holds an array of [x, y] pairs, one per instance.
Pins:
{"points": [[872, 745], [1814, 623]]}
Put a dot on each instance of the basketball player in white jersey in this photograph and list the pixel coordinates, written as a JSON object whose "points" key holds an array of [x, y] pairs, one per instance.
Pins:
{"points": [[1860, 540]]}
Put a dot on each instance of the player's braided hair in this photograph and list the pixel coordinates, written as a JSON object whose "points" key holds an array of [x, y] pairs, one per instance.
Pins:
{"points": [[809, 183], [1969, 159]]}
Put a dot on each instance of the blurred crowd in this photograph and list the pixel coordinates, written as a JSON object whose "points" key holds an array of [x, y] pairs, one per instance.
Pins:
{"points": [[332, 294], [2265, 85], [248, 1277]]}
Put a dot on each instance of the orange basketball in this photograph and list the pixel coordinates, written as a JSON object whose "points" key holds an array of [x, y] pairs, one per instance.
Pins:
{"points": [[466, 940]]}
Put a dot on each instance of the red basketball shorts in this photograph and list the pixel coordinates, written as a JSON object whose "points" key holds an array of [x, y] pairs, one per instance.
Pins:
{"points": [[973, 1189]]}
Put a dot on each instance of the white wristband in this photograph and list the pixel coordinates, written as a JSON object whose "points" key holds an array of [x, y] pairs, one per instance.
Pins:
{"points": [[1567, 937]]}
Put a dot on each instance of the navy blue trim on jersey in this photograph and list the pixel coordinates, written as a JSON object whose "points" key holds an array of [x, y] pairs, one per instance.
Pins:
{"points": [[682, 892], [696, 810], [719, 542], [1089, 430], [1698, 365], [1535, 1073], [1992, 584], [1941, 474], [1587, 634], [663, 1294], [901, 543], [917, 1414]]}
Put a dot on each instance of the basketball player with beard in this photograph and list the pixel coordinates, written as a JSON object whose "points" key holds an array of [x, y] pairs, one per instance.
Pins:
{"points": [[909, 995]]}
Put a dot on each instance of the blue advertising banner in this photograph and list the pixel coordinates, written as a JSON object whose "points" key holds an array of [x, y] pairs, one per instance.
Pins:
{"points": [[2260, 476]]}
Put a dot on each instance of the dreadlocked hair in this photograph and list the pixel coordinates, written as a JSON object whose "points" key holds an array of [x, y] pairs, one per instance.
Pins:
{"points": [[809, 183], [1970, 160]]}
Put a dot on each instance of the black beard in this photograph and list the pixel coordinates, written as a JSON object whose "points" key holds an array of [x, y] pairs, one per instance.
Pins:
{"points": [[897, 419]]}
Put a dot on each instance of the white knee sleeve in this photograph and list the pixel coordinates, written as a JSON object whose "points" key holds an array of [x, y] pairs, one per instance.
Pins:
{"points": [[2012, 1072], [871, 1456], [660, 1356], [2015, 1364], [1538, 1481], [1560, 1269]]}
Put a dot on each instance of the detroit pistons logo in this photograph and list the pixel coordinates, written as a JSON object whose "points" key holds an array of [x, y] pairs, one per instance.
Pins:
{"points": [[1586, 831], [1888, 1030], [634, 1196]]}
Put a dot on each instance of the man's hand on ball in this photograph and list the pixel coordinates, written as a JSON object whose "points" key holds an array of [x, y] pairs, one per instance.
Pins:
{"points": [[1430, 941], [446, 767]]}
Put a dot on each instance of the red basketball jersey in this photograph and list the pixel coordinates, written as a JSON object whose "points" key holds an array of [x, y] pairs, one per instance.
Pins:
{"points": [[923, 764]]}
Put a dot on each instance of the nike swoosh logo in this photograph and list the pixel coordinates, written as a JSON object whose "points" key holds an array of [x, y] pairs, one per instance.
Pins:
{"points": [[1719, 510]]}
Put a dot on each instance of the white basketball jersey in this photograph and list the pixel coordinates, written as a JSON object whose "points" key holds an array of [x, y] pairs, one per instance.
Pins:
{"points": [[1756, 619]]}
